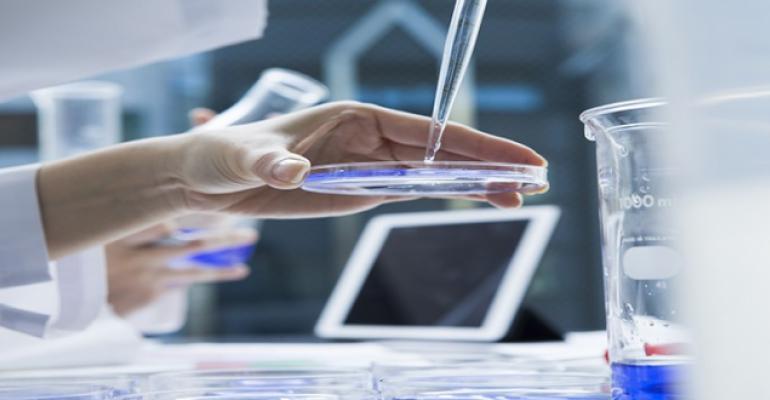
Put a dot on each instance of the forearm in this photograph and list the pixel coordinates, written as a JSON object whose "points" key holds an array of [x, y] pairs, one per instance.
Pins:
{"points": [[101, 196]]}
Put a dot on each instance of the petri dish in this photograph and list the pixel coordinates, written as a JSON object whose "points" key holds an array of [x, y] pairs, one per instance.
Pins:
{"points": [[279, 380], [505, 394], [492, 381], [109, 385], [43, 391], [426, 178], [202, 395]]}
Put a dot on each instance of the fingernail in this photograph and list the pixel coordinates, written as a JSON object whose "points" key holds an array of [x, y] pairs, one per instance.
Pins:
{"points": [[545, 189], [290, 170]]}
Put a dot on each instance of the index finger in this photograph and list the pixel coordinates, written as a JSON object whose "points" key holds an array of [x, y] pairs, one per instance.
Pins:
{"points": [[413, 130]]}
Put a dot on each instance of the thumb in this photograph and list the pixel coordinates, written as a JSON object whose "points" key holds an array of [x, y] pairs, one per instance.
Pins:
{"points": [[281, 169]]}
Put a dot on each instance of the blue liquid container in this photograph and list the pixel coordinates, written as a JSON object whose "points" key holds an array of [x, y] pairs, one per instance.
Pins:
{"points": [[218, 258], [647, 381], [223, 258]]}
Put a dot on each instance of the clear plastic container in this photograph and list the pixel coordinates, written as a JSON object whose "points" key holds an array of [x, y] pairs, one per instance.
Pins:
{"points": [[219, 395], [279, 380], [648, 344], [42, 390], [482, 384], [505, 394], [77, 117], [109, 385], [404, 372]]}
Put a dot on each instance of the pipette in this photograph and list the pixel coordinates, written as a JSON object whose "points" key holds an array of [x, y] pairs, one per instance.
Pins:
{"points": [[427, 177], [458, 49]]}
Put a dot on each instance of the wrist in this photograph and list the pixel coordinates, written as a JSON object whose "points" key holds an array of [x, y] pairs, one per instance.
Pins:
{"points": [[167, 172], [98, 197]]}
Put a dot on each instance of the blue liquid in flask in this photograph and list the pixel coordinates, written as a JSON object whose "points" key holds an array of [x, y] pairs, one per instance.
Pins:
{"points": [[218, 258], [647, 381], [224, 258]]}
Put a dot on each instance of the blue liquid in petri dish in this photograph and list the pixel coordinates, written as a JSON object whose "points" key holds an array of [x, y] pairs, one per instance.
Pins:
{"points": [[647, 382], [411, 178]]}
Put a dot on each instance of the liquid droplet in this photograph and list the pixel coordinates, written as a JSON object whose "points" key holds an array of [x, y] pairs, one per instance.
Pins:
{"points": [[661, 285]]}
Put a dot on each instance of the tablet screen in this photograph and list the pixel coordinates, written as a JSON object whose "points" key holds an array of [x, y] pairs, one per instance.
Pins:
{"points": [[437, 275]]}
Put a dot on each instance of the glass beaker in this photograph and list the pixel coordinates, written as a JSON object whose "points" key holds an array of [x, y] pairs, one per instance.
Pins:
{"points": [[278, 91], [77, 117], [648, 346]]}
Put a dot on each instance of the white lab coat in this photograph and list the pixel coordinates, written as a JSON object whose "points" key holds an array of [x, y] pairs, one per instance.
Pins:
{"points": [[52, 42]]}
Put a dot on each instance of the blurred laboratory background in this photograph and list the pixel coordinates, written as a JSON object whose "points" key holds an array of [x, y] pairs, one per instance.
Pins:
{"points": [[538, 64]]}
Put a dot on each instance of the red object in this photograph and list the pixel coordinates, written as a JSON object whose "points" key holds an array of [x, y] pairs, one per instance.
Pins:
{"points": [[667, 349]]}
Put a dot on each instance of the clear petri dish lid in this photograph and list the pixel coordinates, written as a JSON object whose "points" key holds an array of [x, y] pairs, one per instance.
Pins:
{"points": [[488, 366], [264, 379], [54, 391], [474, 380], [426, 179], [506, 394], [189, 394], [393, 376], [114, 385]]}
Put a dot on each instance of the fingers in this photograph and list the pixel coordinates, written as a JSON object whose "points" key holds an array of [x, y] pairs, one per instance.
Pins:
{"points": [[499, 200], [414, 153], [279, 169], [230, 238], [412, 130], [505, 200], [190, 276], [161, 254], [199, 116]]}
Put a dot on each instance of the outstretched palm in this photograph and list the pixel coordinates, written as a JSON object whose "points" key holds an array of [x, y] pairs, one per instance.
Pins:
{"points": [[351, 132]]}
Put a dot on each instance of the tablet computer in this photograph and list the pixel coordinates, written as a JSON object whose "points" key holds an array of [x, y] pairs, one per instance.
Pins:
{"points": [[447, 275]]}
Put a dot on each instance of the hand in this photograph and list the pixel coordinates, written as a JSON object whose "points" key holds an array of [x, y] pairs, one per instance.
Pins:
{"points": [[256, 169], [138, 271], [251, 169]]}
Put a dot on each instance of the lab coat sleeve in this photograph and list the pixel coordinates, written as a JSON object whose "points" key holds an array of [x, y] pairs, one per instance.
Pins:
{"points": [[23, 251], [58, 41], [80, 279]]}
